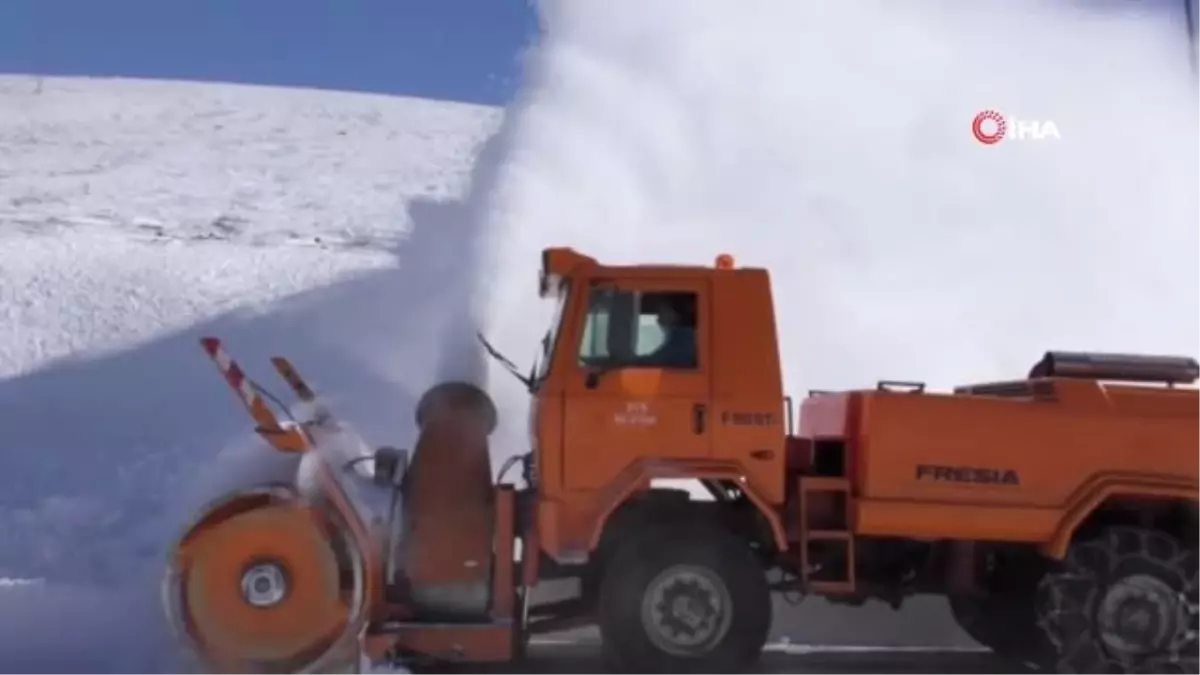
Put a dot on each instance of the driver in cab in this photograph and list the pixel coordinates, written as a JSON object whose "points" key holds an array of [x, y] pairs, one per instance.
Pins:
{"points": [[676, 317]]}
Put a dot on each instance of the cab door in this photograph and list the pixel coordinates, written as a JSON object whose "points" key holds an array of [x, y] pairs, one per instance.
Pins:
{"points": [[641, 380]]}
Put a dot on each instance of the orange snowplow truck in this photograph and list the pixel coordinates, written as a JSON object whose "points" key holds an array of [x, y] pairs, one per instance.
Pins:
{"points": [[1057, 512]]}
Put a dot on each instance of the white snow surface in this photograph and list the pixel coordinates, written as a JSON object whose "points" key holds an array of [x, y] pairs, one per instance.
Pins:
{"points": [[829, 142]]}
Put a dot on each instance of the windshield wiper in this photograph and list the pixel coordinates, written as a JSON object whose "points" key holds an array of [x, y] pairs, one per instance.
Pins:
{"points": [[511, 367]]}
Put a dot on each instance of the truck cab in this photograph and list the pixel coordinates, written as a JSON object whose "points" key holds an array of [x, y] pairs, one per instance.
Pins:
{"points": [[653, 372]]}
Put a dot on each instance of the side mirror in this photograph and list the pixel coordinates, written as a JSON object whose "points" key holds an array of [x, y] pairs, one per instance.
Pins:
{"points": [[390, 465], [594, 374]]}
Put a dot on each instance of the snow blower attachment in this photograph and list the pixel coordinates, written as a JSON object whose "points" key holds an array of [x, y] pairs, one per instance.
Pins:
{"points": [[340, 564]]}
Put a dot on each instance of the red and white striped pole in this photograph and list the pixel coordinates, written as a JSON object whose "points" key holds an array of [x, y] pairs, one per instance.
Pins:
{"points": [[286, 440]]}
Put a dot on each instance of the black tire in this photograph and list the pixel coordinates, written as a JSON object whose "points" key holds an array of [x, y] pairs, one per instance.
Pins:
{"points": [[1123, 601], [463, 397], [727, 589], [651, 510]]}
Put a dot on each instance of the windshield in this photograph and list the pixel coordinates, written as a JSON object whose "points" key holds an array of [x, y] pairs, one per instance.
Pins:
{"points": [[551, 336]]}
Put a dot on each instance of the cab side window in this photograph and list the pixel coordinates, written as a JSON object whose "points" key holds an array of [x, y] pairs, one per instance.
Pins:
{"points": [[647, 329]]}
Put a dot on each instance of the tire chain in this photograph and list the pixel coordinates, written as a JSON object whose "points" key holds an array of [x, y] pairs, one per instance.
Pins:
{"points": [[1067, 599]]}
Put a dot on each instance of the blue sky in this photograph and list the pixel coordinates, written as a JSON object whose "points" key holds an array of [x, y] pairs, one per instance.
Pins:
{"points": [[463, 50]]}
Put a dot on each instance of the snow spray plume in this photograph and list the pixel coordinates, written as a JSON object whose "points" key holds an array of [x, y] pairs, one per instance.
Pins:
{"points": [[831, 143], [416, 324], [461, 356]]}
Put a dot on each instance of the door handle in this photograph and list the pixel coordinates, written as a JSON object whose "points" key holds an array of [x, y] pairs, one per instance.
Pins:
{"points": [[699, 412]]}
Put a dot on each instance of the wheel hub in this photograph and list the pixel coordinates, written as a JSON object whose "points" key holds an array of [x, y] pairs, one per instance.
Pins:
{"points": [[686, 610], [1140, 615], [264, 585]]}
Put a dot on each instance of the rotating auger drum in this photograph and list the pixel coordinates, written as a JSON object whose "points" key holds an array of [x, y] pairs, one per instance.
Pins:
{"points": [[268, 582]]}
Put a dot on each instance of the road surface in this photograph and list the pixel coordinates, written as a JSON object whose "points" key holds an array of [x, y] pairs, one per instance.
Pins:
{"points": [[922, 621], [814, 637], [584, 658]]}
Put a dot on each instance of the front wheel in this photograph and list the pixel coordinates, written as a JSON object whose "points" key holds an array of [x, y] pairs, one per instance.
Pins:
{"points": [[689, 600]]}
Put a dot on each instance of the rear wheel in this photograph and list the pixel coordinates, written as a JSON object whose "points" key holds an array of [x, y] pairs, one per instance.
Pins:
{"points": [[690, 600], [1123, 601]]}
